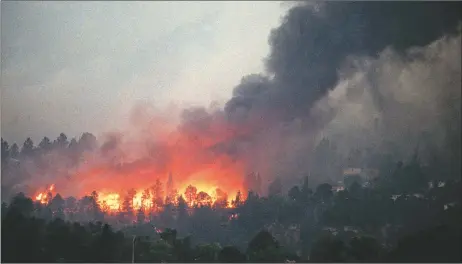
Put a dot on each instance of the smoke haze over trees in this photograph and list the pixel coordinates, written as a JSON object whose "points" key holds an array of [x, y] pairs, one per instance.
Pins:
{"points": [[368, 85]]}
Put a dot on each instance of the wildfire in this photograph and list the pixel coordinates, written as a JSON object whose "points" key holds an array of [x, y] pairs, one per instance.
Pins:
{"points": [[147, 200], [157, 162]]}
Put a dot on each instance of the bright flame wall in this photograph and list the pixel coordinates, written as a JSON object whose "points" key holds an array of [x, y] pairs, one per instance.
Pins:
{"points": [[153, 150]]}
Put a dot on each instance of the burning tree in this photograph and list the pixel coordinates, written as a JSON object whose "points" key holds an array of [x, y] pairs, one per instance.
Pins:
{"points": [[172, 198], [128, 205], [190, 194], [88, 208], [203, 199], [146, 199], [238, 200], [157, 195], [221, 198]]}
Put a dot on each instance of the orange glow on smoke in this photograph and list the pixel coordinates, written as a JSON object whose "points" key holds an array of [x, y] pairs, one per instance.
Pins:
{"points": [[153, 150]]}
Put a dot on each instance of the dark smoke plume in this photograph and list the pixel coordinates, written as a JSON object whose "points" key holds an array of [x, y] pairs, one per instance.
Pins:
{"points": [[313, 42], [310, 50]]}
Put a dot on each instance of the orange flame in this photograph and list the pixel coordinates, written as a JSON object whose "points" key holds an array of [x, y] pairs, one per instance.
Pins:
{"points": [[111, 202], [45, 197]]}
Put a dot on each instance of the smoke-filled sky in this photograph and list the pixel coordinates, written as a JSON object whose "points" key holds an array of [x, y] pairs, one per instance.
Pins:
{"points": [[378, 77], [80, 66]]}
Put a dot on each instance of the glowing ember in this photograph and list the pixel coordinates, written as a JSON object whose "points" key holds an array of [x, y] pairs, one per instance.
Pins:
{"points": [[233, 216]]}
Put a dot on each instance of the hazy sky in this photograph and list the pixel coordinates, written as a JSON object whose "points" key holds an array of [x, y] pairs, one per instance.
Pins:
{"points": [[80, 66]]}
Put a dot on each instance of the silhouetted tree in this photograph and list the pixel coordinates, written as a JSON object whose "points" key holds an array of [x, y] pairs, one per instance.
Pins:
{"points": [[238, 200], [364, 249], [183, 216], [62, 141], [436, 244], [166, 215], [5, 150], [203, 199], [57, 206], [230, 254], [324, 193], [22, 205], [27, 148], [295, 194], [140, 216], [74, 151], [206, 253], [263, 240], [87, 142], [264, 248], [45, 144], [328, 249], [14, 151], [275, 188]]}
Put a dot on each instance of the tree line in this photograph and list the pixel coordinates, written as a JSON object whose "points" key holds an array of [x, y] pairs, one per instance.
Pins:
{"points": [[357, 224], [407, 214]]}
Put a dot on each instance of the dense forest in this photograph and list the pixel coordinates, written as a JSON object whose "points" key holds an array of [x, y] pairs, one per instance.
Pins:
{"points": [[405, 214]]}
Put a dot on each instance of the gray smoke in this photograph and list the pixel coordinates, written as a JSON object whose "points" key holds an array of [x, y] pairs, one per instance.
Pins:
{"points": [[313, 42]]}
